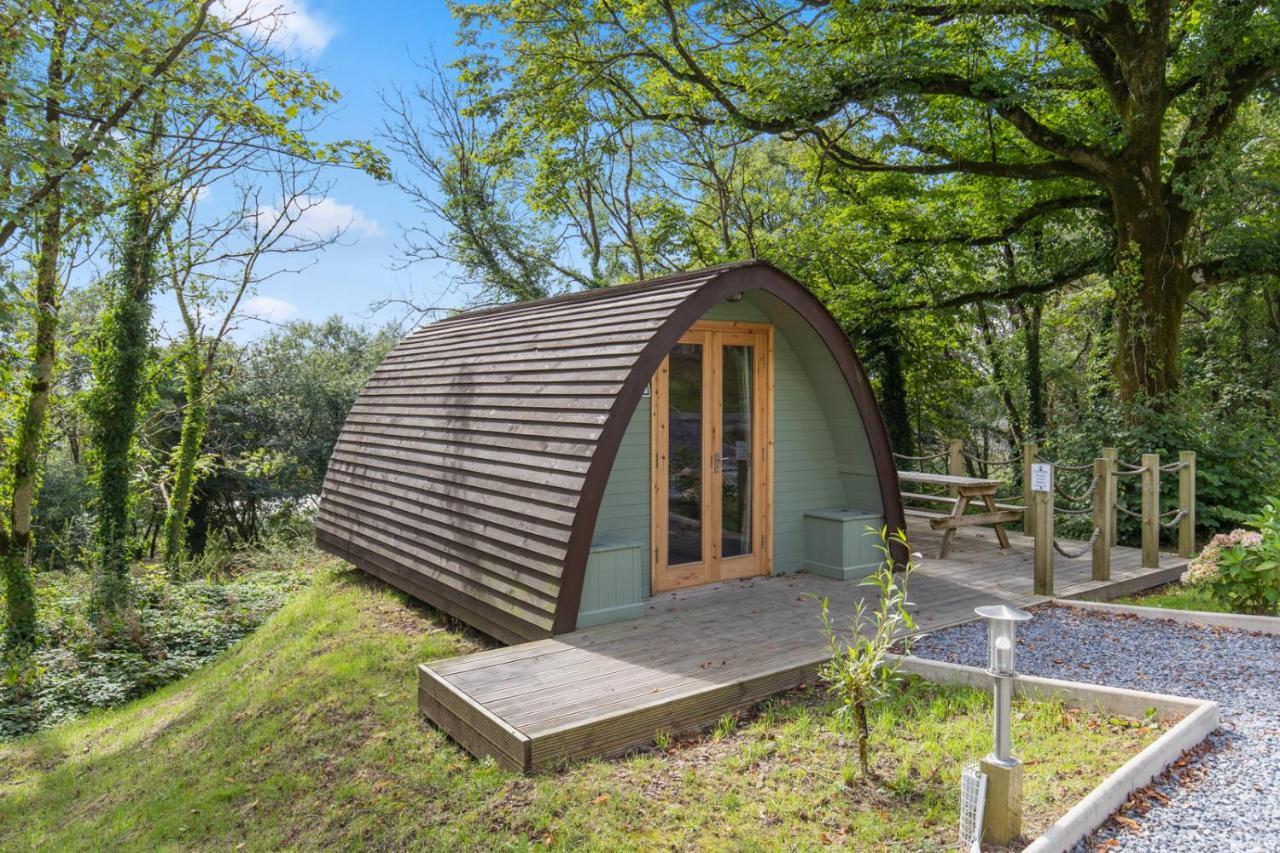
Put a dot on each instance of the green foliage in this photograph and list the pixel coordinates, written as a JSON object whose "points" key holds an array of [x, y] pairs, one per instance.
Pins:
{"points": [[172, 629], [860, 672], [1248, 577], [1237, 452]]}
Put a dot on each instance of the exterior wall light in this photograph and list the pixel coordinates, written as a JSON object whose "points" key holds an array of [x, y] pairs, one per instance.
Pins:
{"points": [[1002, 818]]}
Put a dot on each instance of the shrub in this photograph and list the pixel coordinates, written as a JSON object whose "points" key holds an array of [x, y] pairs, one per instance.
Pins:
{"points": [[1248, 572], [1204, 566], [860, 672]]}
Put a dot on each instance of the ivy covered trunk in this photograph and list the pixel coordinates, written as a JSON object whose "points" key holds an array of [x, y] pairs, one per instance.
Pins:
{"points": [[19, 592], [194, 418], [15, 532], [1151, 279], [120, 363]]}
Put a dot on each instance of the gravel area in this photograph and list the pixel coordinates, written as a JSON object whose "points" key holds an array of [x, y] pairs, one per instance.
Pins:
{"points": [[1227, 798]]}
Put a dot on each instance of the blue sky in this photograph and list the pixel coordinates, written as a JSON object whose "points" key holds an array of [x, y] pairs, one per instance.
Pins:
{"points": [[362, 48]]}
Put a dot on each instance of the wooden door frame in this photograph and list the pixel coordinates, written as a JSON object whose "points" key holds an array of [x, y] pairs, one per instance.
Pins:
{"points": [[713, 336]]}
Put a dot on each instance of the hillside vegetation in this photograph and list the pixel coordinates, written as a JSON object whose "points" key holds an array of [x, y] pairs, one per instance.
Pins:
{"points": [[306, 735]]}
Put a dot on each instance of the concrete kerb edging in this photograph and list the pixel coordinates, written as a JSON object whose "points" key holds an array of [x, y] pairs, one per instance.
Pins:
{"points": [[1196, 719], [1236, 621]]}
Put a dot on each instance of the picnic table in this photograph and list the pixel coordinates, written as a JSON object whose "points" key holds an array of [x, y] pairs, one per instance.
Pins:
{"points": [[966, 490]]}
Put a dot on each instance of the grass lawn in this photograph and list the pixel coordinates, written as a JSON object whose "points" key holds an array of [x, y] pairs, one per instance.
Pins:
{"points": [[306, 734], [1177, 596]]}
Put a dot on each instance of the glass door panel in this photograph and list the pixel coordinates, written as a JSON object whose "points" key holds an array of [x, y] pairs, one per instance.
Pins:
{"points": [[684, 454], [710, 421], [737, 388]]}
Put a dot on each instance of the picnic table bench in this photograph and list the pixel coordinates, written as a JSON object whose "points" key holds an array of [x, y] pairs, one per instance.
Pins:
{"points": [[966, 490]]}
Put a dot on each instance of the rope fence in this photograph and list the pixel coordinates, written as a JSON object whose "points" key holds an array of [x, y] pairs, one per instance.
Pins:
{"points": [[1097, 530], [1098, 501], [1085, 495], [929, 458]]}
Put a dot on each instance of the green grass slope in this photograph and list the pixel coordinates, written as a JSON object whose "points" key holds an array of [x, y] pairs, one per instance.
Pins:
{"points": [[306, 735]]}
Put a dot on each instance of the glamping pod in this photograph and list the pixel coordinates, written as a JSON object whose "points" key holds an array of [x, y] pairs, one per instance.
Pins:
{"points": [[545, 466]]}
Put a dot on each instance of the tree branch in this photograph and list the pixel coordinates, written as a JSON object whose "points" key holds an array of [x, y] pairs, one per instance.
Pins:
{"points": [[1020, 220], [1097, 264]]}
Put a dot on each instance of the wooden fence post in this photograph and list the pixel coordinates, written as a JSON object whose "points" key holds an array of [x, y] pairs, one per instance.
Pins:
{"points": [[1042, 500], [1187, 503], [1112, 455], [1150, 510], [1028, 504], [955, 462], [1104, 519]]}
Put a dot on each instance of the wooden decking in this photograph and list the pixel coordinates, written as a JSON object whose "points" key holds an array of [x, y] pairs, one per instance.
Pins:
{"points": [[701, 653]]}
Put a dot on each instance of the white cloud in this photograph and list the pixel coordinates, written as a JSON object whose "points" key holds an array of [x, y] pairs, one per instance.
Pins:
{"points": [[270, 308], [285, 23], [321, 218]]}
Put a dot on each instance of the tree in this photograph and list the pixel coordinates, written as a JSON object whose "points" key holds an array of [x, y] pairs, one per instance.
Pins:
{"points": [[273, 425], [120, 358], [1112, 121], [122, 52], [21, 477], [212, 266], [79, 74]]}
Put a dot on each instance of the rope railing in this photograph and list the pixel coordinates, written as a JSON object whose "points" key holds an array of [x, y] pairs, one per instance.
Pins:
{"points": [[1085, 495], [929, 458], [1086, 549], [1097, 505]]}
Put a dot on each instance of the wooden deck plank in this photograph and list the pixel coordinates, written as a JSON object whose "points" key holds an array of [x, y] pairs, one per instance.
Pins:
{"points": [[700, 653]]}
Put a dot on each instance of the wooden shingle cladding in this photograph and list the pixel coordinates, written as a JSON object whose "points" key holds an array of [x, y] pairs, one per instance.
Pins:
{"points": [[470, 469]]}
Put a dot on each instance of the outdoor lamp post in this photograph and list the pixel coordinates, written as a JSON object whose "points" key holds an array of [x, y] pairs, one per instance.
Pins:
{"points": [[1002, 818]]}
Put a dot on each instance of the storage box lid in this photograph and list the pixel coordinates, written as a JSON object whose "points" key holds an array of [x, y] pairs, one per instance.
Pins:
{"points": [[846, 515]]}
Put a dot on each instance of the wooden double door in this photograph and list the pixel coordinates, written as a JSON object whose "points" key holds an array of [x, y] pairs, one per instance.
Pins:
{"points": [[712, 415]]}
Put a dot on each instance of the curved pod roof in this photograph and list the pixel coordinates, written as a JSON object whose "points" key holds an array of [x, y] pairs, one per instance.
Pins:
{"points": [[470, 470]]}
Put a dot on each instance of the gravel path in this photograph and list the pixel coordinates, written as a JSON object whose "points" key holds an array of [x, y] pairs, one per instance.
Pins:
{"points": [[1228, 798]]}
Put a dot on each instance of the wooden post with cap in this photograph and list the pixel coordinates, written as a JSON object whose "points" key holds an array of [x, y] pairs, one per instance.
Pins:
{"points": [[1042, 500], [1104, 519], [1150, 510], [1187, 503]]}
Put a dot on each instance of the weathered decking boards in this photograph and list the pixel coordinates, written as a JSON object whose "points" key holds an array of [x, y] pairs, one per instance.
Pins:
{"points": [[701, 653]]}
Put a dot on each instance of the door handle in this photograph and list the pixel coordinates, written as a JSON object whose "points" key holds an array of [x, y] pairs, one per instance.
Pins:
{"points": [[716, 462]]}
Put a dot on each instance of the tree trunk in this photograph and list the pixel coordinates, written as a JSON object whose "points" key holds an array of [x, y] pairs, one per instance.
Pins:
{"points": [[15, 543], [198, 535], [120, 370], [1036, 419], [1152, 284], [14, 548], [194, 419], [893, 396], [999, 375]]}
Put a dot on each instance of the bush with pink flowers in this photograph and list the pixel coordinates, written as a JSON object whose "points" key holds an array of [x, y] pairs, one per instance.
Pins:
{"points": [[1204, 567], [1241, 569]]}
